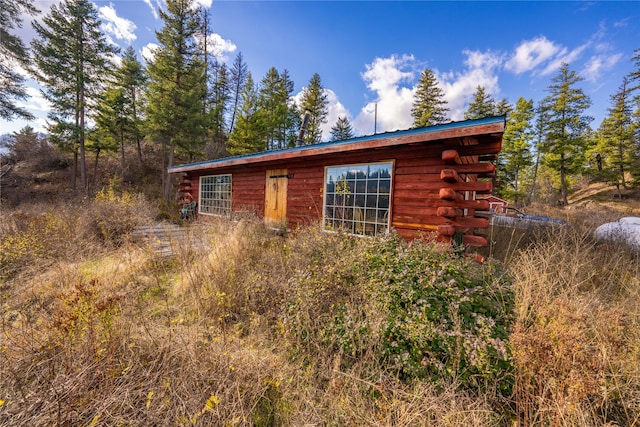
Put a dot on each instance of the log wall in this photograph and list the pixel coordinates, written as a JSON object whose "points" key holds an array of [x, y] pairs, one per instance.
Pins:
{"points": [[433, 189]]}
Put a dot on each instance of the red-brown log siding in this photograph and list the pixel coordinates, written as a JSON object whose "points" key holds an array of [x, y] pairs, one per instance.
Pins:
{"points": [[417, 188]]}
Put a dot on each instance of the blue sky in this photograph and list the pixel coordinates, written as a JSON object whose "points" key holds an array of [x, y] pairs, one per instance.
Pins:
{"points": [[370, 53]]}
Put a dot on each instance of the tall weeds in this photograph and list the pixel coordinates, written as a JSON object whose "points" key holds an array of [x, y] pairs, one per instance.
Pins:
{"points": [[575, 341], [244, 327]]}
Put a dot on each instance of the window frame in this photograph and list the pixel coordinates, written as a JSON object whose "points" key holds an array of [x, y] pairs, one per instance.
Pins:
{"points": [[223, 211], [365, 209]]}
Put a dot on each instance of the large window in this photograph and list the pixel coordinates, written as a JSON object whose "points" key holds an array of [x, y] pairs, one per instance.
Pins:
{"points": [[356, 198], [215, 195]]}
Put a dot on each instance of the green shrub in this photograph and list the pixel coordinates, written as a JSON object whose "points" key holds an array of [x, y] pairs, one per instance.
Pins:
{"points": [[447, 318], [423, 312]]}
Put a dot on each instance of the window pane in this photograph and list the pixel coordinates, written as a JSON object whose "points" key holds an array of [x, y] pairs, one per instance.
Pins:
{"points": [[383, 201], [385, 186], [357, 198], [215, 195]]}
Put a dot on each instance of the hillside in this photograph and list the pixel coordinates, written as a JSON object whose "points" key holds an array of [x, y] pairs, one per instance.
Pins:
{"points": [[602, 197], [42, 174]]}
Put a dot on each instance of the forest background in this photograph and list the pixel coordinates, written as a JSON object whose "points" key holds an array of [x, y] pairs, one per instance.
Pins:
{"points": [[184, 105]]}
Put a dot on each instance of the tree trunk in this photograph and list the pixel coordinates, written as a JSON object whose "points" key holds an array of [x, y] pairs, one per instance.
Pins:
{"points": [[83, 164], [167, 180], [164, 165], [621, 164], [95, 166], [74, 179], [563, 182], [532, 190], [135, 124], [122, 163], [81, 111]]}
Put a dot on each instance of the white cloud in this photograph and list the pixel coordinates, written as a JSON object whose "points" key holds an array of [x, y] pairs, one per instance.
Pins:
{"points": [[386, 77], [154, 11], [564, 56], [336, 110], [113, 25], [394, 83], [622, 23], [219, 47], [597, 65], [204, 3], [459, 87], [36, 102], [531, 53], [115, 60], [149, 51], [542, 53], [482, 60], [335, 107]]}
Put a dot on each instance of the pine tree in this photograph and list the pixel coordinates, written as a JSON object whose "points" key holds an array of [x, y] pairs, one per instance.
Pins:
{"points": [[237, 80], [210, 60], [219, 100], [565, 145], [217, 90], [615, 151], [72, 59], [502, 108], [132, 78], [539, 131], [273, 103], [483, 105], [634, 80], [13, 51], [314, 100], [429, 106], [634, 76], [516, 155], [117, 118], [290, 126], [279, 112], [249, 134], [25, 144], [176, 91], [341, 130], [114, 124]]}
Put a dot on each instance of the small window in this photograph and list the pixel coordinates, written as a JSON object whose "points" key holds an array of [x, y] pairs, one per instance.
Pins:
{"points": [[215, 195], [356, 198]]}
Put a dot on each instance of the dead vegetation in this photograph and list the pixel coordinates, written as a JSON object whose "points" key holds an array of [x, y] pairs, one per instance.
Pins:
{"points": [[244, 327]]}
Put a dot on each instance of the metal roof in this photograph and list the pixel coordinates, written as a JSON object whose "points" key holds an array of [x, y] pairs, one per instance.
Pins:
{"points": [[429, 133]]}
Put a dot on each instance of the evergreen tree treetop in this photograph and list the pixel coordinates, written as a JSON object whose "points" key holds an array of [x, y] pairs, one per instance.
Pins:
{"points": [[341, 130], [483, 105], [314, 100], [12, 49], [429, 106]]}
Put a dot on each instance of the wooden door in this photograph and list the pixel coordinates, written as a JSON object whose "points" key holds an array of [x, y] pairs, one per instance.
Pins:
{"points": [[275, 197]]}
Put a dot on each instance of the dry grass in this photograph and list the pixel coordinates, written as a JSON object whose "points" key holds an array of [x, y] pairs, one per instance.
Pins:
{"points": [[576, 339], [108, 333]]}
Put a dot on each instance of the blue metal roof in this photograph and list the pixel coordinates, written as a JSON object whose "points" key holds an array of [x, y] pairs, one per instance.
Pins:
{"points": [[422, 130]]}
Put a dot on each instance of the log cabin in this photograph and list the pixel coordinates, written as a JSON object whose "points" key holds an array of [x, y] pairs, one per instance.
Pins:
{"points": [[415, 181]]}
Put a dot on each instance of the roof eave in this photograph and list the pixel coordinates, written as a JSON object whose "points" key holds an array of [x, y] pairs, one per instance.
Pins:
{"points": [[432, 133]]}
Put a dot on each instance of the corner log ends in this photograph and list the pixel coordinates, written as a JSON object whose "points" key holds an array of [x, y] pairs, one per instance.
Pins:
{"points": [[464, 164]]}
